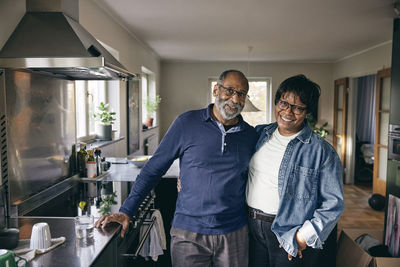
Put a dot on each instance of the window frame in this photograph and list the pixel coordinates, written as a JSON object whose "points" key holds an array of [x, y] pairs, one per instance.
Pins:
{"points": [[149, 78], [87, 118]]}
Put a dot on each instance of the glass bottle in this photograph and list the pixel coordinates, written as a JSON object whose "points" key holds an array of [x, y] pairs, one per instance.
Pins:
{"points": [[73, 162], [97, 153], [91, 165], [82, 160], [90, 157]]}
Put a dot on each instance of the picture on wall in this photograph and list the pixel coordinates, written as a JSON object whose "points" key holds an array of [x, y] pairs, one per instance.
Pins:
{"points": [[392, 237]]}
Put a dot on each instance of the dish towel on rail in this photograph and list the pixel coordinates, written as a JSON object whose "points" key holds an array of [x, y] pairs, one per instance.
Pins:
{"points": [[156, 242]]}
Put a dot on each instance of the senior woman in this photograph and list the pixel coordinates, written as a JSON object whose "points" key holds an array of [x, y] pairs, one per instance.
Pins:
{"points": [[294, 188]]}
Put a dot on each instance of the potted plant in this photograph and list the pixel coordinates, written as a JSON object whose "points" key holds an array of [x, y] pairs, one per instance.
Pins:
{"points": [[321, 131], [107, 202], [106, 119], [151, 107]]}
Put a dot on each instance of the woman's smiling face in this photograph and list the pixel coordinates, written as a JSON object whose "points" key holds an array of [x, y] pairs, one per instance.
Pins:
{"points": [[290, 123]]}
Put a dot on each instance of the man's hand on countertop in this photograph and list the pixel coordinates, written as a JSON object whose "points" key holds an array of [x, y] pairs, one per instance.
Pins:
{"points": [[119, 217]]}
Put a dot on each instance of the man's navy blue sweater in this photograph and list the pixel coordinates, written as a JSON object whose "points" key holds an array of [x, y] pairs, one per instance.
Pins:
{"points": [[213, 172]]}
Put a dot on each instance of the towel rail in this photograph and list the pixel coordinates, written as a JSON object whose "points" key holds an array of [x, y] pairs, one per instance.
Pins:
{"points": [[141, 243]]}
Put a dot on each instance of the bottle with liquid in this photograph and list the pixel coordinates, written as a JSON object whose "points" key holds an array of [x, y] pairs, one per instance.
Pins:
{"points": [[82, 154], [90, 155], [73, 162], [97, 153], [91, 165]]}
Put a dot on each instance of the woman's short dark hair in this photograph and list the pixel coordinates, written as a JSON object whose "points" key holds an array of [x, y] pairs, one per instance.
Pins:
{"points": [[307, 90]]}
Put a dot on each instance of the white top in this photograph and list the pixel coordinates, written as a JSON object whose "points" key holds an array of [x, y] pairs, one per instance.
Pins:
{"points": [[262, 183]]}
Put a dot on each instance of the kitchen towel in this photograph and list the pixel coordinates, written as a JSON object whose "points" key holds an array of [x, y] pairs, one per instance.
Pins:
{"points": [[155, 243], [161, 232], [23, 250]]}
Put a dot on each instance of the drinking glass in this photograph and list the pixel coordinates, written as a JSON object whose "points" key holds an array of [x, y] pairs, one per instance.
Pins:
{"points": [[84, 226]]}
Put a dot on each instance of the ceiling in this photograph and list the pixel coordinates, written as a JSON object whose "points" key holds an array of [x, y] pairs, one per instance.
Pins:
{"points": [[276, 30]]}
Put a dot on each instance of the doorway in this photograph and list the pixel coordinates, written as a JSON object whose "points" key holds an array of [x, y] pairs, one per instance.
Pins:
{"points": [[365, 129], [377, 121]]}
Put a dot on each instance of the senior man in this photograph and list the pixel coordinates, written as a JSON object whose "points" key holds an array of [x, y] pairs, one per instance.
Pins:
{"points": [[214, 146]]}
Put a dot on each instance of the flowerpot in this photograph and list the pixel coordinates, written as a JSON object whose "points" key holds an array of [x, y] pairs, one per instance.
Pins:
{"points": [[104, 132], [149, 122], [114, 134]]}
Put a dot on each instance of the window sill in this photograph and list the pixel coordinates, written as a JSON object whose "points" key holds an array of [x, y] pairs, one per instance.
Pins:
{"points": [[95, 143], [149, 128]]}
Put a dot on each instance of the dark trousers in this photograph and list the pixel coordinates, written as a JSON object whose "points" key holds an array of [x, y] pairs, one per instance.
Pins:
{"points": [[264, 248], [190, 249]]}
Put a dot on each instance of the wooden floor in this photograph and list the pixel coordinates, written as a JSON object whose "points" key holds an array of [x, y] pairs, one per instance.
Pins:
{"points": [[358, 213]]}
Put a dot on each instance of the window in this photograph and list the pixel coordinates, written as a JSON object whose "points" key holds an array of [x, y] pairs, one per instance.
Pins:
{"points": [[88, 96], [260, 96], [148, 93]]}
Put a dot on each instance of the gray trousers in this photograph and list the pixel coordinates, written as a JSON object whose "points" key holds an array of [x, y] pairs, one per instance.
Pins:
{"points": [[190, 249]]}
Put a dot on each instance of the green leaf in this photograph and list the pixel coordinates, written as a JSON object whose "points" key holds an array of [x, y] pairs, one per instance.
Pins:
{"points": [[105, 116], [107, 202], [152, 104], [321, 131]]}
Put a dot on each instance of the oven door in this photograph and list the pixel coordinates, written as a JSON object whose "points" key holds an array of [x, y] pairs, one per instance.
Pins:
{"points": [[393, 175], [394, 146]]}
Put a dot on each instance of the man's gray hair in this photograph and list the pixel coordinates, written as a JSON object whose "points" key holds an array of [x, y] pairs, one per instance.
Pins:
{"points": [[223, 75]]}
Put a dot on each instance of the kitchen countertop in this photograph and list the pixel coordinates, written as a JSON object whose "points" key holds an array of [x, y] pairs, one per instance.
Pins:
{"points": [[74, 252], [126, 172]]}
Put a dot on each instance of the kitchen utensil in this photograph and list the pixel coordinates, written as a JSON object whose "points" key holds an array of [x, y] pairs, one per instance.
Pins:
{"points": [[139, 161], [112, 160], [40, 237], [9, 238], [8, 258]]}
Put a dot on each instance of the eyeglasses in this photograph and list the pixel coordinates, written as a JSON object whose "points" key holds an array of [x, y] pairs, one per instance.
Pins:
{"points": [[229, 91], [297, 110]]}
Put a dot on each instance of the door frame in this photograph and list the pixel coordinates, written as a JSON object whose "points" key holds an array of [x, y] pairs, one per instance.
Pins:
{"points": [[379, 185], [342, 154]]}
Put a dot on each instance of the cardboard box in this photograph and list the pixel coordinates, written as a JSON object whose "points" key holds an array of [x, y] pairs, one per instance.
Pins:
{"points": [[351, 255]]}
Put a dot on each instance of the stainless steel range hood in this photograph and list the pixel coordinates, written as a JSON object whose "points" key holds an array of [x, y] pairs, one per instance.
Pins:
{"points": [[49, 39]]}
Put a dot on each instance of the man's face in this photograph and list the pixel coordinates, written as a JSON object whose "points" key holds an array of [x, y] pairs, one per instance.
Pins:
{"points": [[230, 96], [290, 113]]}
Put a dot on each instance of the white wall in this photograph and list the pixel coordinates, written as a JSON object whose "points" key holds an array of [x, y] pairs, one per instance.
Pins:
{"points": [[133, 54], [11, 12], [185, 84], [364, 62]]}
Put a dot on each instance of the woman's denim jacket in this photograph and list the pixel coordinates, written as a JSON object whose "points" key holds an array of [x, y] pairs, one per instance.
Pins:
{"points": [[310, 189]]}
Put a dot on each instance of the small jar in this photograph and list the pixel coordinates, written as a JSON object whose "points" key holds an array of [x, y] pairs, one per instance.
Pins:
{"points": [[91, 169]]}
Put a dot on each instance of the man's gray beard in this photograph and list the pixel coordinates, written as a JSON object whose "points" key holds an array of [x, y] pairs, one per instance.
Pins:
{"points": [[226, 115]]}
